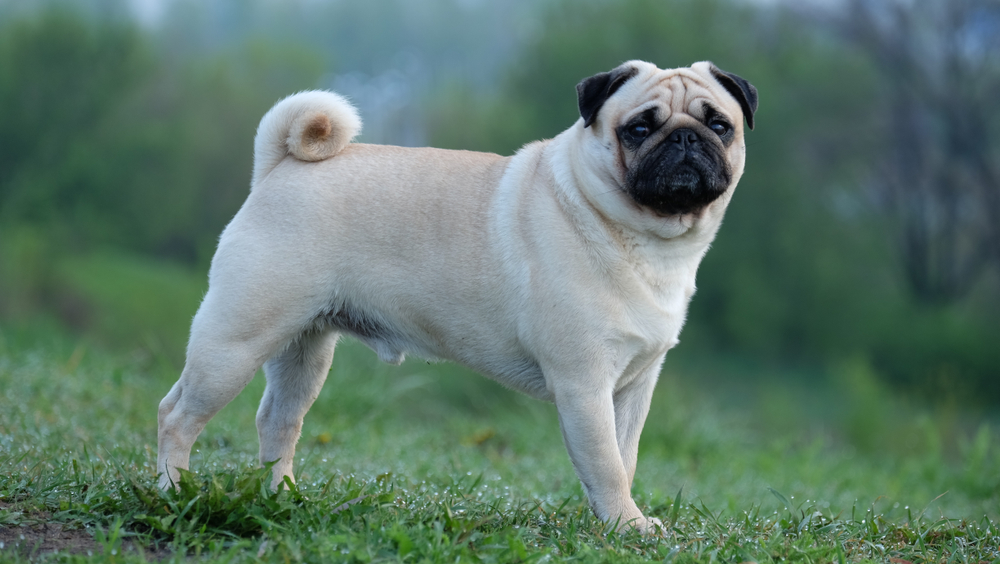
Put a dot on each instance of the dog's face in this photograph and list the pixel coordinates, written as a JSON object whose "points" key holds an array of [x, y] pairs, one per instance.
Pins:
{"points": [[670, 140]]}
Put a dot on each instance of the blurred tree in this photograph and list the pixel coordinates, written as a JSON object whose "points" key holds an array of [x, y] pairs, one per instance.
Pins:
{"points": [[939, 170], [111, 143], [59, 78]]}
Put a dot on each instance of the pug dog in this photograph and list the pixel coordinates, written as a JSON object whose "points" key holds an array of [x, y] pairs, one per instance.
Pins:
{"points": [[563, 271]]}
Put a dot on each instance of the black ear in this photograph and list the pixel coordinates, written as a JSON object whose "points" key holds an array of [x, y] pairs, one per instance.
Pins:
{"points": [[743, 91], [592, 92]]}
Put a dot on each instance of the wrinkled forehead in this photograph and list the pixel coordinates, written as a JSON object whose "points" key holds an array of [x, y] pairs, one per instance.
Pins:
{"points": [[679, 91]]}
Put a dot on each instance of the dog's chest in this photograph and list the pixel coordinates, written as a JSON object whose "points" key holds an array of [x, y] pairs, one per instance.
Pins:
{"points": [[659, 286]]}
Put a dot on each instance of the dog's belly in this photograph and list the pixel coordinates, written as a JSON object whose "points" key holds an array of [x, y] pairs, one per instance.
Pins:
{"points": [[392, 339], [521, 373]]}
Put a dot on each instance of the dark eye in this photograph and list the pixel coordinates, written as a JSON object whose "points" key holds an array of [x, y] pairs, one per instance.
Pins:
{"points": [[638, 130], [719, 127]]}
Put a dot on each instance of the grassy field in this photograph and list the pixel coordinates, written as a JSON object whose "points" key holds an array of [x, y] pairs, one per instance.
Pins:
{"points": [[430, 463]]}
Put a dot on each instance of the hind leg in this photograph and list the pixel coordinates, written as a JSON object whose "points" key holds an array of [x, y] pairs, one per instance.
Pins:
{"points": [[227, 347], [294, 379]]}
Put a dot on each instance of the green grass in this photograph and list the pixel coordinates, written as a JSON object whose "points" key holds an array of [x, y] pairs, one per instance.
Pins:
{"points": [[429, 463]]}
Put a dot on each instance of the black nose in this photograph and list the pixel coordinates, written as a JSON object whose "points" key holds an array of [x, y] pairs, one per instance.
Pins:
{"points": [[683, 137]]}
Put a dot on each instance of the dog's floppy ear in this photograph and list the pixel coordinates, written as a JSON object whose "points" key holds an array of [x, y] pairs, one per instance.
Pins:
{"points": [[592, 92], [743, 91]]}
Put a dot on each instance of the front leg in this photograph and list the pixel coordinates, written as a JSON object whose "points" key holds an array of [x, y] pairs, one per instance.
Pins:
{"points": [[587, 419], [631, 408]]}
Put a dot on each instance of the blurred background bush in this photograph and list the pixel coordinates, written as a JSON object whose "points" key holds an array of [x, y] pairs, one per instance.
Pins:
{"points": [[860, 253]]}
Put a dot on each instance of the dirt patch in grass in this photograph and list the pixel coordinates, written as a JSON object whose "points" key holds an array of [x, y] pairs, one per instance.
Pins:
{"points": [[37, 534], [40, 538]]}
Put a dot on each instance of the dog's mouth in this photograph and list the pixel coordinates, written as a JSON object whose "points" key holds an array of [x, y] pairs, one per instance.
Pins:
{"points": [[685, 178], [677, 179]]}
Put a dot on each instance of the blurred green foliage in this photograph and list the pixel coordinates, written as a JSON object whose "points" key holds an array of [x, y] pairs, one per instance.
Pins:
{"points": [[119, 152], [113, 143], [119, 155]]}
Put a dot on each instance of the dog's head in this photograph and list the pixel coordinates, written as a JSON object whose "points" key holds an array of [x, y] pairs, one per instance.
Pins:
{"points": [[670, 140]]}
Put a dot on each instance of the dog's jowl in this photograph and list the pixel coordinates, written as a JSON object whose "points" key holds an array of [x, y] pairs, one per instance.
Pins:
{"points": [[564, 271]]}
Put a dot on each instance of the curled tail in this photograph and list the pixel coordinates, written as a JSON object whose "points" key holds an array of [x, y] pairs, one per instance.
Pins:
{"points": [[311, 126]]}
